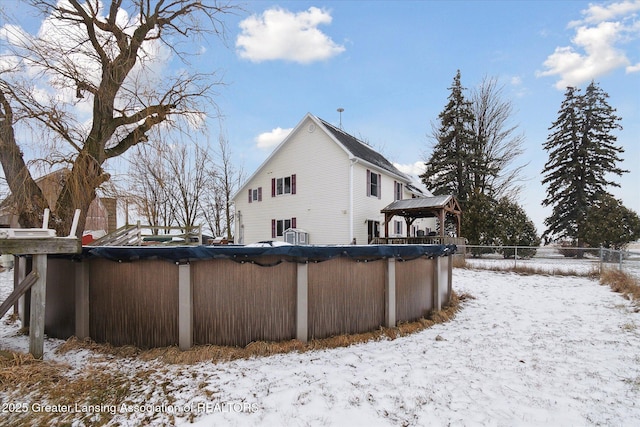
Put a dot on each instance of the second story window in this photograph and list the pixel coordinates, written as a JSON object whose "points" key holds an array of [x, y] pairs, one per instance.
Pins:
{"points": [[397, 187], [284, 185], [374, 181], [255, 194]]}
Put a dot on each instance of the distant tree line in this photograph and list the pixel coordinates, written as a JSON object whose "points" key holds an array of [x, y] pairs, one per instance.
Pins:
{"points": [[183, 185]]}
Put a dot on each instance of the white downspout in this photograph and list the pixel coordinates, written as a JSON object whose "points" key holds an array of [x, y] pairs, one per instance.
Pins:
{"points": [[351, 231]]}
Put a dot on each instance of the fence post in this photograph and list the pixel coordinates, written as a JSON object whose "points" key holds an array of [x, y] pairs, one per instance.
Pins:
{"points": [[437, 300], [620, 254], [601, 258], [449, 278], [185, 307], [82, 299], [515, 257], [302, 302], [390, 309]]}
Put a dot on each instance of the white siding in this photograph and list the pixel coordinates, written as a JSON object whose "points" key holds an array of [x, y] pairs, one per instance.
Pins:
{"points": [[369, 207], [321, 202]]}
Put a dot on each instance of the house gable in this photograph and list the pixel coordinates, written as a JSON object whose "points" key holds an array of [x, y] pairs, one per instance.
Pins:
{"points": [[301, 184], [319, 179]]}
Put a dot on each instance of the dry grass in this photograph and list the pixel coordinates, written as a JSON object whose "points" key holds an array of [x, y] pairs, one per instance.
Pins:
{"points": [[459, 261], [530, 271], [623, 283], [32, 381], [217, 353]]}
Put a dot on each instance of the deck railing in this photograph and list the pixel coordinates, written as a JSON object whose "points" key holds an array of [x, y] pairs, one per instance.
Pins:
{"points": [[420, 240], [142, 235]]}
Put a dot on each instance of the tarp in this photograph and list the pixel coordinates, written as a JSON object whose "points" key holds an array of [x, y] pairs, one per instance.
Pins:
{"points": [[293, 253]]}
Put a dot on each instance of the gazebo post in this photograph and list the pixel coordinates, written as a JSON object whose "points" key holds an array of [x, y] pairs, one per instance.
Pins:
{"points": [[409, 220], [386, 225]]}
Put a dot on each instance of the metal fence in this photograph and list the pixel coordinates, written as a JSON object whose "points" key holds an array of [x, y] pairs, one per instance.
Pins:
{"points": [[552, 258]]}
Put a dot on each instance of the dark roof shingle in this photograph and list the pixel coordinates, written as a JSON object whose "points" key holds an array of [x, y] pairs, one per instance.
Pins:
{"points": [[361, 150]]}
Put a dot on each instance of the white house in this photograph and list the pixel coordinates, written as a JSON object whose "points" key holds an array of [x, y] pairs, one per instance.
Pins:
{"points": [[327, 183]]}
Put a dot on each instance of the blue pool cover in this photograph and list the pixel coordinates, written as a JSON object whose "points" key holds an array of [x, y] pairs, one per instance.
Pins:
{"points": [[251, 254]]}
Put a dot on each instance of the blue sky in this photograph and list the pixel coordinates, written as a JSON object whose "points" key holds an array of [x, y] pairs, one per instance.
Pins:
{"points": [[389, 64]]}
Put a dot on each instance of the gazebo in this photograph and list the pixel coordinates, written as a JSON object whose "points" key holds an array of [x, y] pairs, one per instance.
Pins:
{"points": [[423, 207]]}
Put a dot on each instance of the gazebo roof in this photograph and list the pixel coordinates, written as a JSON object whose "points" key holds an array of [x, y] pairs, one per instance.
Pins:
{"points": [[423, 206]]}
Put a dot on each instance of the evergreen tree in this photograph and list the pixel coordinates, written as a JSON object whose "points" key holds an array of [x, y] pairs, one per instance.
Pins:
{"points": [[473, 154], [582, 152], [446, 171], [610, 224], [515, 229], [478, 222], [475, 144]]}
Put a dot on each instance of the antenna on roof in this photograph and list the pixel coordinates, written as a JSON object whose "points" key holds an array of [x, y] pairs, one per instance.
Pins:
{"points": [[340, 110]]}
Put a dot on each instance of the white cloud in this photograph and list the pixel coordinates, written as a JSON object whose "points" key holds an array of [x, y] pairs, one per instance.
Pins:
{"points": [[13, 34], [597, 13], [517, 86], [633, 68], [412, 169], [281, 34], [271, 139], [597, 45]]}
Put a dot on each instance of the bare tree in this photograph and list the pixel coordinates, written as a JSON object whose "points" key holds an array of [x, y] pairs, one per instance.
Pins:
{"points": [[99, 54], [227, 180], [148, 186], [213, 206], [188, 180], [496, 144]]}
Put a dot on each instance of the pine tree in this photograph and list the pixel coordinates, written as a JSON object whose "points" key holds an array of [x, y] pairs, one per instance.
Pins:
{"points": [[563, 169], [515, 229], [610, 224], [446, 171], [582, 152], [479, 226]]}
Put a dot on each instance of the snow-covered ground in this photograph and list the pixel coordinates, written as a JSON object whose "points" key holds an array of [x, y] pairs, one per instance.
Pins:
{"points": [[527, 351]]}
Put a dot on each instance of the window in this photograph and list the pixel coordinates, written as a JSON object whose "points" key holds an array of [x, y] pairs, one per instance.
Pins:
{"points": [[397, 187], [279, 226], [374, 181], [397, 227], [283, 224], [255, 195], [282, 186]]}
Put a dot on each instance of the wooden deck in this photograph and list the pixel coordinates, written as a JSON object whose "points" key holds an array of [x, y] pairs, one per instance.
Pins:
{"points": [[423, 240]]}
